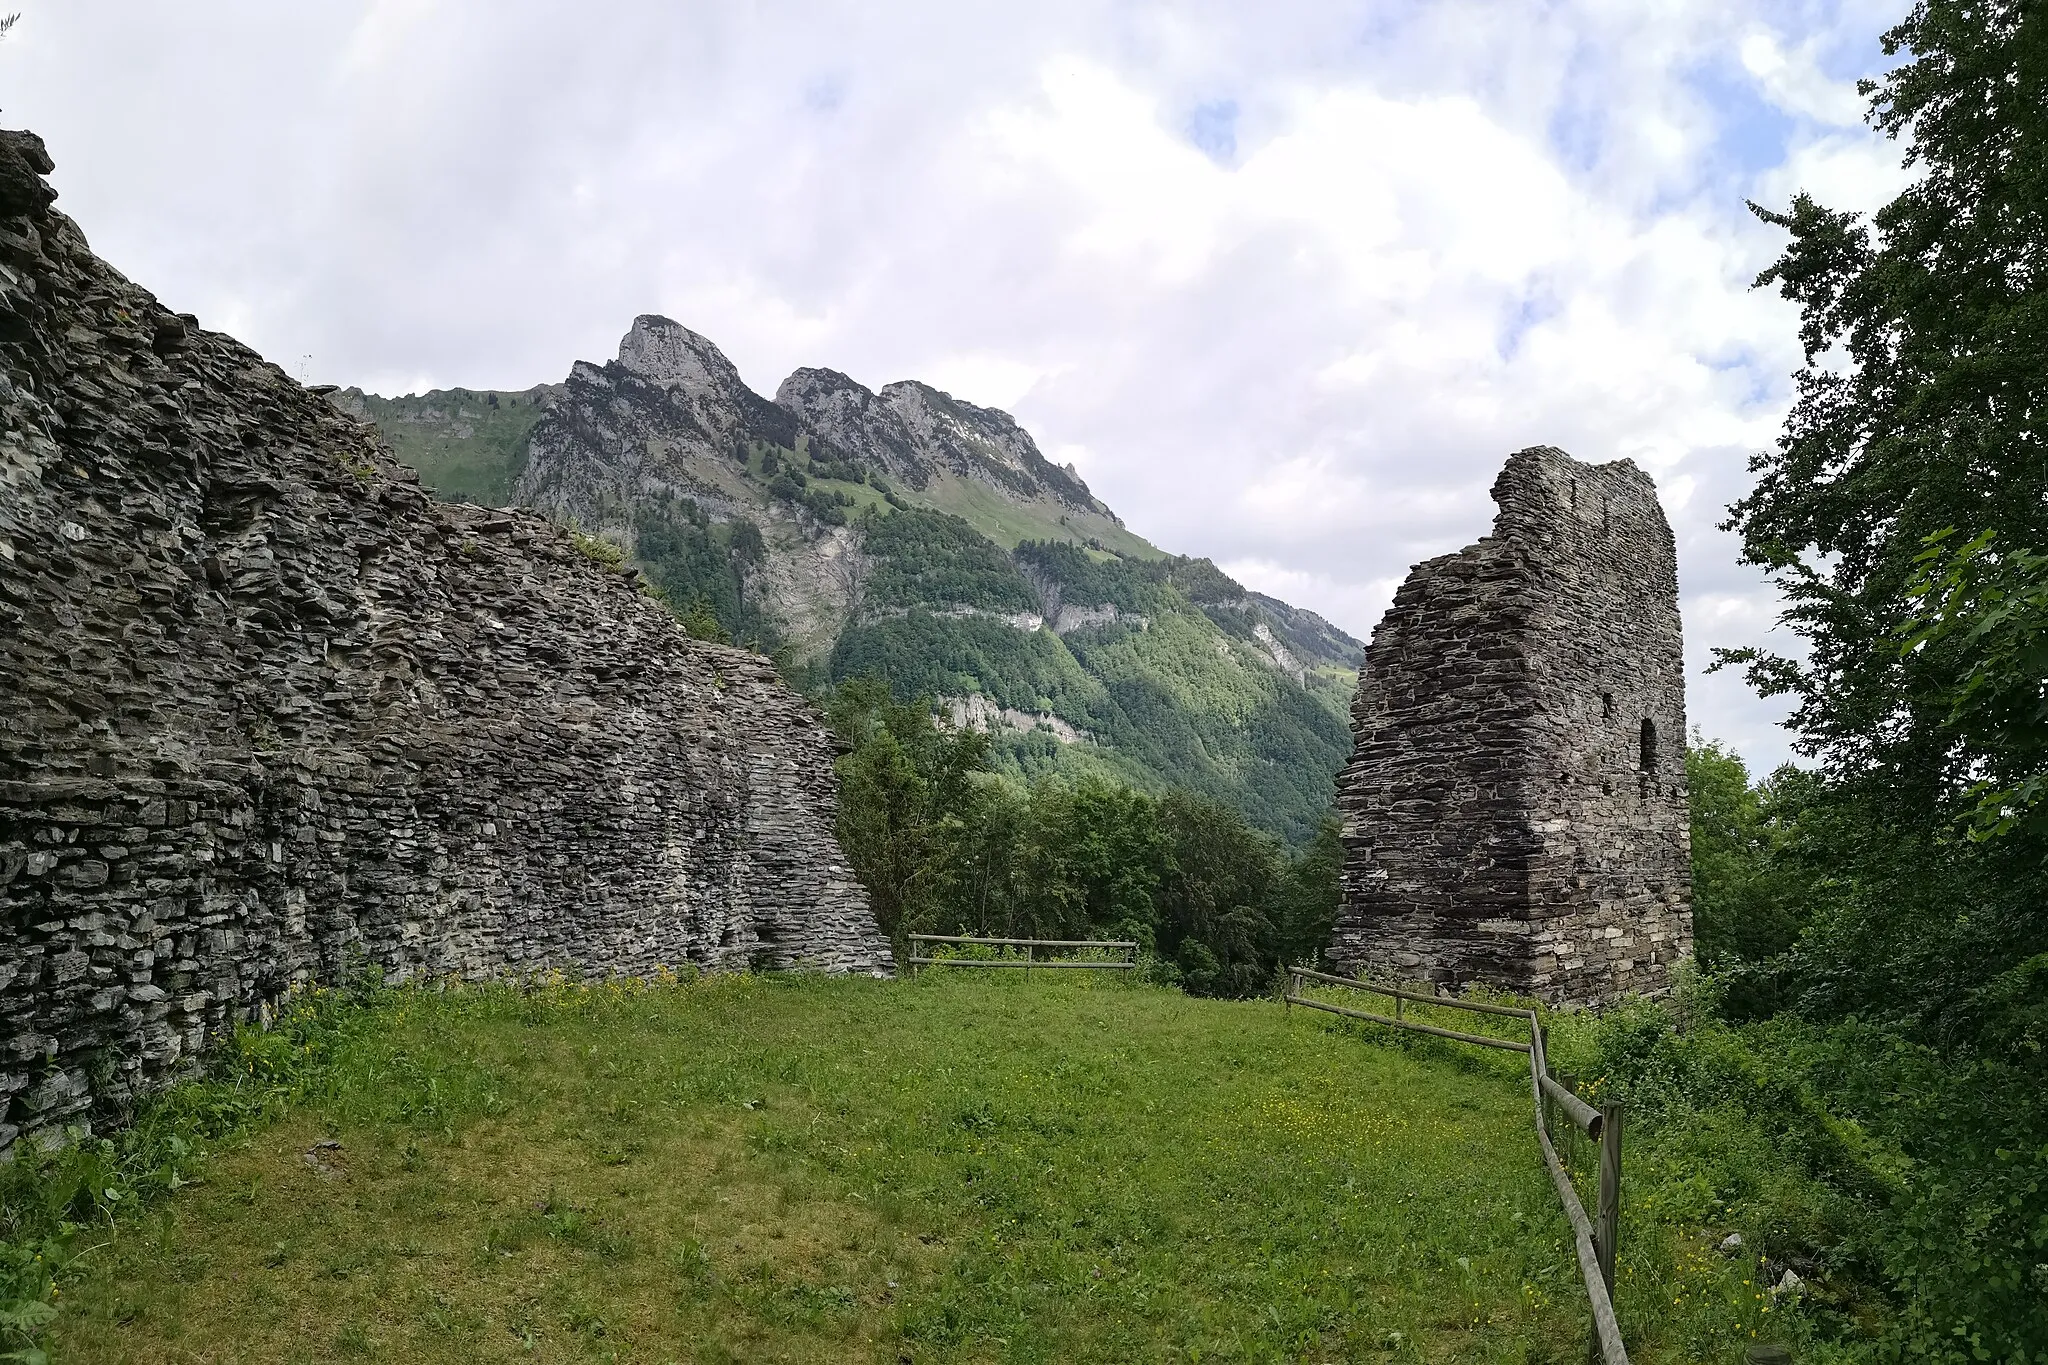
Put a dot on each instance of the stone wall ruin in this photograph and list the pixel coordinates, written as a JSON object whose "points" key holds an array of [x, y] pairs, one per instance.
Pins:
{"points": [[1515, 806], [269, 714]]}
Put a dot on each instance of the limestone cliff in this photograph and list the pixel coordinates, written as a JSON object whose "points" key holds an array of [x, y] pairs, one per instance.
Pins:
{"points": [[913, 431], [268, 713]]}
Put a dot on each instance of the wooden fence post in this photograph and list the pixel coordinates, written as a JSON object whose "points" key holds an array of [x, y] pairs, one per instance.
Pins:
{"points": [[1607, 1225], [1575, 1137]]}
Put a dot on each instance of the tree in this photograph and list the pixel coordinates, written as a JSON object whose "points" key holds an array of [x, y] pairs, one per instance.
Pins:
{"points": [[1904, 514], [1309, 893], [1216, 900], [1923, 402], [1090, 860], [1994, 603], [989, 888], [1752, 881], [1921, 419], [941, 842], [907, 797]]}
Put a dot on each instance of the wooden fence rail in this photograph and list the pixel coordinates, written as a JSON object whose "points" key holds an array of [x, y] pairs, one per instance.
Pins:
{"points": [[1128, 962], [1595, 1244]]}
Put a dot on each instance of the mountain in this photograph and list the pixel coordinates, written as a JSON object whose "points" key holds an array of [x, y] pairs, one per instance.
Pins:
{"points": [[905, 533]]}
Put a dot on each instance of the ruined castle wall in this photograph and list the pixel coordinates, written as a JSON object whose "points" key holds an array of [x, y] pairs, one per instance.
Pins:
{"points": [[269, 714], [1515, 807]]}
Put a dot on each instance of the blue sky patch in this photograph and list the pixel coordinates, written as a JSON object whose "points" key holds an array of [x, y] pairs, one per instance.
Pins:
{"points": [[1529, 312], [1752, 135], [824, 94], [1213, 128]]}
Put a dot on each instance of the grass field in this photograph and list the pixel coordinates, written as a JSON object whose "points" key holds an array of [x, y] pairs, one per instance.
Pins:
{"points": [[465, 444], [1007, 522], [950, 1169]]}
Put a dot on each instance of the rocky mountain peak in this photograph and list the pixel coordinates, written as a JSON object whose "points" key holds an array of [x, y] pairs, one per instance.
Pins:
{"points": [[632, 427], [848, 417], [983, 443], [910, 430], [664, 352], [817, 385]]}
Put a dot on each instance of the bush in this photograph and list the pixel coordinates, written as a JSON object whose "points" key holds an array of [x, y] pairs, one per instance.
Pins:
{"points": [[596, 549], [1909, 1187]]}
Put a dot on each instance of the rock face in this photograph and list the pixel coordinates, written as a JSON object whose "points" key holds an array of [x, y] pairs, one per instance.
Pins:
{"points": [[627, 429], [848, 418], [671, 420], [1515, 806], [913, 431], [269, 714], [640, 425]]}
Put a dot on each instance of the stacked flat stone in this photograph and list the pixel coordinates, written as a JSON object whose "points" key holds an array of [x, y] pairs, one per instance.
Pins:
{"points": [[1515, 806], [270, 715]]}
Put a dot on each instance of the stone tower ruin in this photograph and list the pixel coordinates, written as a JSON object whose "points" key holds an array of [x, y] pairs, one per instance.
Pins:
{"points": [[1515, 805]]}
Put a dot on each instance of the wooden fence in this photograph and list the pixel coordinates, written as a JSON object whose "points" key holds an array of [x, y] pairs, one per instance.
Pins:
{"points": [[1127, 962], [1596, 1241]]}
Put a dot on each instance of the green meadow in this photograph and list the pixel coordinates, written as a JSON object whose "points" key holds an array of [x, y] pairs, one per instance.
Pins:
{"points": [[954, 1168]]}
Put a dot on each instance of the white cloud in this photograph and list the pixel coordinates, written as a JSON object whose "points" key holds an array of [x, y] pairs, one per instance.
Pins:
{"points": [[1852, 171], [1793, 80], [1338, 597], [1437, 233], [992, 381]]}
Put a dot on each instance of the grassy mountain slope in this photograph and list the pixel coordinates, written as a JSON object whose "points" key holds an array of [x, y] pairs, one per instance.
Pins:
{"points": [[904, 533], [1009, 522], [467, 444]]}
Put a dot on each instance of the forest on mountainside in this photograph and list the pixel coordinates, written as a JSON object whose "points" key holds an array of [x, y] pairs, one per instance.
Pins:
{"points": [[1169, 690]]}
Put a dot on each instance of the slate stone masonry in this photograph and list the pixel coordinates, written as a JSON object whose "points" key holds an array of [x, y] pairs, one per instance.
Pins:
{"points": [[1515, 806], [269, 714]]}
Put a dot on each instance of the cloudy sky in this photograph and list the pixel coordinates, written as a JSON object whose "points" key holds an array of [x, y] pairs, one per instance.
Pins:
{"points": [[1285, 280]]}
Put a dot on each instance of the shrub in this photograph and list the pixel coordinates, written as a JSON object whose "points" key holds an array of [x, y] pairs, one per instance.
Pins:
{"points": [[596, 549]]}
